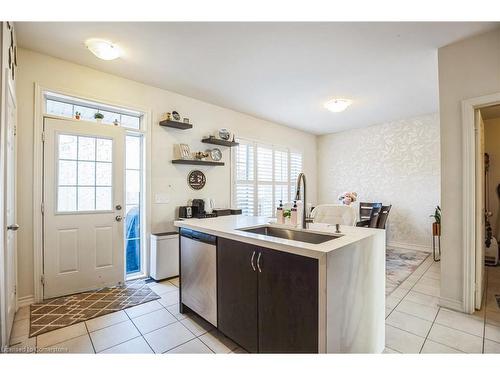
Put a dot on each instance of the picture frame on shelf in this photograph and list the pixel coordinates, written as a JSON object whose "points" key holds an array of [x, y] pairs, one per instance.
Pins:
{"points": [[184, 151]]}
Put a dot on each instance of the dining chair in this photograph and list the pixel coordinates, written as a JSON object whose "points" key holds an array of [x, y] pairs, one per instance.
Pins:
{"points": [[369, 220]]}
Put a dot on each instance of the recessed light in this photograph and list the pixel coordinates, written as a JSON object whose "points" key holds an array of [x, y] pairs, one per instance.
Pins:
{"points": [[103, 49], [337, 105]]}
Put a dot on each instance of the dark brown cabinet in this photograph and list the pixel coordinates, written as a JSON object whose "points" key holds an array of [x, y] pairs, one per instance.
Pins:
{"points": [[267, 300]]}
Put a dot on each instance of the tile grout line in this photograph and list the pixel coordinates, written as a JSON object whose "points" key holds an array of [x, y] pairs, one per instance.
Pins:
{"points": [[401, 300], [90, 337]]}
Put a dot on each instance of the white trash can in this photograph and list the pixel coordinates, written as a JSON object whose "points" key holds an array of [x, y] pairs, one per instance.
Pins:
{"points": [[164, 255]]}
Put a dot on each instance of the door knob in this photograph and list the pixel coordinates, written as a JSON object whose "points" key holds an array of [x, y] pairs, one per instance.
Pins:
{"points": [[13, 227], [118, 207], [119, 218]]}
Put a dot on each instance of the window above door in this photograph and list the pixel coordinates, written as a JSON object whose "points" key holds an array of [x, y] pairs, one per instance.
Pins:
{"points": [[67, 106]]}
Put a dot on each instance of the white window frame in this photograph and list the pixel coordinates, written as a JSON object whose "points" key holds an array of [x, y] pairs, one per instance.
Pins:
{"points": [[38, 116], [256, 183]]}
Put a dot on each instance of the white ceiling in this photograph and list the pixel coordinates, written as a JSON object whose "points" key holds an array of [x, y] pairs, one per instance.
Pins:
{"points": [[282, 72]]}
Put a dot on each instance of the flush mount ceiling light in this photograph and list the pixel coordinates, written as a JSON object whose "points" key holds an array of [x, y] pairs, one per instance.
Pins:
{"points": [[103, 49], [337, 105]]}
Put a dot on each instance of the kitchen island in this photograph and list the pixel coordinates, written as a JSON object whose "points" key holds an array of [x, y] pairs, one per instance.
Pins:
{"points": [[273, 288]]}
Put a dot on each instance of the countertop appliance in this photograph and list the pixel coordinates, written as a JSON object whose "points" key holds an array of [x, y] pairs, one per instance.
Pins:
{"points": [[164, 257], [199, 273], [198, 207]]}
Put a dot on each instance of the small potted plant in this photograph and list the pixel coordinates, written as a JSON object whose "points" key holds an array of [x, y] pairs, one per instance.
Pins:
{"points": [[98, 116], [436, 225], [78, 115]]}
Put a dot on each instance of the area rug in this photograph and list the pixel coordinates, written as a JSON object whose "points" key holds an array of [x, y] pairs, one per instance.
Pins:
{"points": [[65, 311], [399, 264]]}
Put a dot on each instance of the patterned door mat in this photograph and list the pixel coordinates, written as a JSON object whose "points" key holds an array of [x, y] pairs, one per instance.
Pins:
{"points": [[399, 264], [65, 311]]}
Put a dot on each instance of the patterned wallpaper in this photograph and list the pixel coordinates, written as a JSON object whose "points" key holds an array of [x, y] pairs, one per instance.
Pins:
{"points": [[394, 163]]}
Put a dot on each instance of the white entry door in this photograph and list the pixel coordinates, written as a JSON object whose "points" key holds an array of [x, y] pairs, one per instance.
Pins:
{"points": [[83, 206], [10, 206]]}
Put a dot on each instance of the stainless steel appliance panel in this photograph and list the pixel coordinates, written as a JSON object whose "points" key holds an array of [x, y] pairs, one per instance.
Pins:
{"points": [[199, 274]]}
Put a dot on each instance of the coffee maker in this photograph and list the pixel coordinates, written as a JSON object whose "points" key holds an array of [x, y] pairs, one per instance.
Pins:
{"points": [[198, 206]]}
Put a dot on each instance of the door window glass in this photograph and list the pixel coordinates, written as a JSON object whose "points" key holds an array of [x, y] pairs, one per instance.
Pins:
{"points": [[85, 177]]}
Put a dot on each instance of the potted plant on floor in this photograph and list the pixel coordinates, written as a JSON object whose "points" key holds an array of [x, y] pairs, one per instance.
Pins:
{"points": [[98, 116], [436, 225]]}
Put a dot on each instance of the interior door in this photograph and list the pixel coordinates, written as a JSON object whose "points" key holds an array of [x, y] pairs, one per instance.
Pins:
{"points": [[10, 206], [480, 211], [82, 206]]}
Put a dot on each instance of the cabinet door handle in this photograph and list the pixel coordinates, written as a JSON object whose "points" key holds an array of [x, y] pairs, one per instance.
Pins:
{"points": [[251, 261], [258, 261]]}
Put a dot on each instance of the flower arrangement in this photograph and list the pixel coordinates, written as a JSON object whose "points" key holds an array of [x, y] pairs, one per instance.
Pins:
{"points": [[348, 197]]}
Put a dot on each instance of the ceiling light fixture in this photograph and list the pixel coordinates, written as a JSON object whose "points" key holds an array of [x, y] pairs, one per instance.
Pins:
{"points": [[103, 49], [337, 105]]}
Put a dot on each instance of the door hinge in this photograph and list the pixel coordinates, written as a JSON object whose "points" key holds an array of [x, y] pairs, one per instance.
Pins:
{"points": [[42, 208], [15, 130], [43, 136], [15, 290], [42, 279]]}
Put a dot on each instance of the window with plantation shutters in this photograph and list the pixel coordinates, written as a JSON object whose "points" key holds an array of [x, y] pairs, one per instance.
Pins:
{"points": [[264, 175]]}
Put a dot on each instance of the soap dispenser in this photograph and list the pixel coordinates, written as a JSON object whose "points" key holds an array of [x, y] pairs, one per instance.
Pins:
{"points": [[293, 214], [280, 219]]}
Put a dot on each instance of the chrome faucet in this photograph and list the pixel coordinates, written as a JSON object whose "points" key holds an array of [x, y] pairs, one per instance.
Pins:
{"points": [[301, 180]]}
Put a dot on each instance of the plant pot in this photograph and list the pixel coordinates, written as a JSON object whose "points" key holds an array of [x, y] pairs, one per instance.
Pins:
{"points": [[436, 229], [99, 120]]}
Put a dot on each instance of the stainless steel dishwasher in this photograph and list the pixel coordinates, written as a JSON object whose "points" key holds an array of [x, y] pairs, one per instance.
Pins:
{"points": [[199, 273]]}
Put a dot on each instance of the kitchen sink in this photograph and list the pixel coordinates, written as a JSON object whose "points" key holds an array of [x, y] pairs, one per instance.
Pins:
{"points": [[291, 234]]}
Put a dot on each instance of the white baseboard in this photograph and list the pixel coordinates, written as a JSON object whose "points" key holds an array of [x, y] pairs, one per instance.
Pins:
{"points": [[25, 301], [451, 304], [410, 246]]}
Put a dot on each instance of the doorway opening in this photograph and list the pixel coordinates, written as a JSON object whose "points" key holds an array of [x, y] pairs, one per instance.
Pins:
{"points": [[57, 105]]}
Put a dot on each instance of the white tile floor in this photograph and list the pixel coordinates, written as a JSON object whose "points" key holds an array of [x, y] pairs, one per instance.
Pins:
{"points": [[415, 323], [153, 327]]}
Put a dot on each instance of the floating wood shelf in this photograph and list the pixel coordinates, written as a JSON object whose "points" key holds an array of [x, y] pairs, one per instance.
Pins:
{"points": [[220, 142], [176, 124], [197, 162]]}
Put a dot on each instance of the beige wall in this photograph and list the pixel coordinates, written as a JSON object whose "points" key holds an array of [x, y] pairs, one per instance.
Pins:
{"points": [[467, 69], [492, 147], [165, 177], [394, 163]]}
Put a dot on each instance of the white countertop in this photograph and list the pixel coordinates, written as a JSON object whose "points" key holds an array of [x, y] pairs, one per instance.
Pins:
{"points": [[227, 227]]}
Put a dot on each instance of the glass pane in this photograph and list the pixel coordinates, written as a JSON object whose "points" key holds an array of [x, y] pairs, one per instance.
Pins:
{"points": [[280, 193], [133, 254], [130, 122], [86, 173], [133, 185], [109, 117], [86, 148], [86, 198], [67, 172], [133, 152], [104, 149], [244, 162], [66, 199], [59, 109], [103, 174], [281, 166], [86, 113], [103, 198], [265, 202], [264, 164], [67, 146]]}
